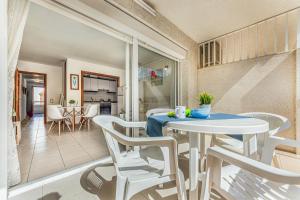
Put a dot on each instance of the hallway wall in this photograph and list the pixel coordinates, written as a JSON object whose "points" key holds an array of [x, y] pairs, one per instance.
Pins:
{"points": [[54, 78]]}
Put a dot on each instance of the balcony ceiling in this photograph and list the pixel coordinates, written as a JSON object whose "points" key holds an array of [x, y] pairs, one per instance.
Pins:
{"points": [[206, 19]]}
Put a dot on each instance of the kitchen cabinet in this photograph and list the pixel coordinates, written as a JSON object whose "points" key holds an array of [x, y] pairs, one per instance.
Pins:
{"points": [[112, 86], [100, 84], [94, 84], [86, 84], [105, 84]]}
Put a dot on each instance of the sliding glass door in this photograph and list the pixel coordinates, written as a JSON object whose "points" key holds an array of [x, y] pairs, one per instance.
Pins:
{"points": [[156, 81]]}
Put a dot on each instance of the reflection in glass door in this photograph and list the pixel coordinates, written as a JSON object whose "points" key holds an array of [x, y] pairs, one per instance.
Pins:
{"points": [[156, 81]]}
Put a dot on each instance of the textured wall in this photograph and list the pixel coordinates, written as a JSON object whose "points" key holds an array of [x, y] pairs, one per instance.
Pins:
{"points": [[264, 84]]}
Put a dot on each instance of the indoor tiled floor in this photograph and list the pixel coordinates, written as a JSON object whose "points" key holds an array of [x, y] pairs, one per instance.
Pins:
{"points": [[42, 154]]}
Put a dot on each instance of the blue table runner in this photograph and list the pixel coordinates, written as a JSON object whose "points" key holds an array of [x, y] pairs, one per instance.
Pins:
{"points": [[155, 123]]}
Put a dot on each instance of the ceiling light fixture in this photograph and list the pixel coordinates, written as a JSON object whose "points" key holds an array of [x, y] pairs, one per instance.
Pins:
{"points": [[147, 7]]}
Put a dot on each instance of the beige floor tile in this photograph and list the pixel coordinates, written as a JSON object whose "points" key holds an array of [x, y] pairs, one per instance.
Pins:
{"points": [[77, 161], [75, 156], [38, 171], [41, 153]]}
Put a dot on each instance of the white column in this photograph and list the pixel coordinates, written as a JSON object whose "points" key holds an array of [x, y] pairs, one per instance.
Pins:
{"points": [[127, 87], [135, 82], [3, 100], [298, 83], [127, 82]]}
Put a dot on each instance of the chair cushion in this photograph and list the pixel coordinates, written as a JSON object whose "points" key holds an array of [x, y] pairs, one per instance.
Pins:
{"points": [[241, 184]]}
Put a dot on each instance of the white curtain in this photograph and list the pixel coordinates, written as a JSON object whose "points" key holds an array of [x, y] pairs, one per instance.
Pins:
{"points": [[17, 16]]}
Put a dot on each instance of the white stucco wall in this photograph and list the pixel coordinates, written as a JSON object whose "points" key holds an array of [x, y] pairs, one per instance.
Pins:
{"points": [[265, 84], [76, 66]]}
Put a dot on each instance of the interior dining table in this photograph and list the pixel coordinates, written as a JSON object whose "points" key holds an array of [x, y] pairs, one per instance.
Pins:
{"points": [[73, 112], [221, 125]]}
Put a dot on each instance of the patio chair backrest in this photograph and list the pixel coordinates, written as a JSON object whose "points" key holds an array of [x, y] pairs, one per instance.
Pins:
{"points": [[106, 122], [277, 123], [53, 112], [158, 111], [92, 111]]}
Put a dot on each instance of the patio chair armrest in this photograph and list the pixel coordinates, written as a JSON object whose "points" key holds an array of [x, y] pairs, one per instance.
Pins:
{"points": [[144, 141], [275, 140], [253, 166], [135, 124], [271, 143]]}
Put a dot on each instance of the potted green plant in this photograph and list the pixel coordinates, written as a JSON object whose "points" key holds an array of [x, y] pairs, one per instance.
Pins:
{"points": [[71, 102], [205, 101]]}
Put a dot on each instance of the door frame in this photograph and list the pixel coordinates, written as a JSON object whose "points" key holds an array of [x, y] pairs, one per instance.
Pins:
{"points": [[45, 91]]}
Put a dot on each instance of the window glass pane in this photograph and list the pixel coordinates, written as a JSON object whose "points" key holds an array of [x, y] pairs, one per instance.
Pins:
{"points": [[38, 95], [156, 81]]}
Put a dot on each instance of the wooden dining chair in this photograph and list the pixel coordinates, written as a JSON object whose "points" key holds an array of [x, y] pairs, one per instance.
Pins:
{"points": [[247, 179], [143, 168]]}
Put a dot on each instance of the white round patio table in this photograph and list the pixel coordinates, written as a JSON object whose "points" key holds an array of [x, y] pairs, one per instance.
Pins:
{"points": [[198, 128]]}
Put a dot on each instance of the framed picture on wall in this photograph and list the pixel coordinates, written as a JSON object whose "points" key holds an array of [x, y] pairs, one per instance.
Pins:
{"points": [[74, 81]]}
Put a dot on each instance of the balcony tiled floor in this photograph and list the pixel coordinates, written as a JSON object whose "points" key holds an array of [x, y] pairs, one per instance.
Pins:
{"points": [[98, 182], [42, 154]]}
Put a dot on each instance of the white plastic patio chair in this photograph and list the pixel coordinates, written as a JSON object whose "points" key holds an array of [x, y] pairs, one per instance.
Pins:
{"points": [[180, 137], [156, 111], [141, 169], [243, 145], [247, 179], [89, 113], [55, 115]]}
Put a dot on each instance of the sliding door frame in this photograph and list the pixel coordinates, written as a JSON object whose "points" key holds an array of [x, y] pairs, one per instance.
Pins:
{"points": [[81, 13]]}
